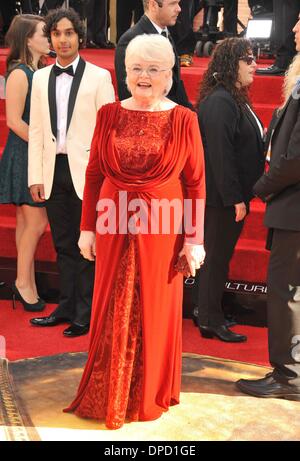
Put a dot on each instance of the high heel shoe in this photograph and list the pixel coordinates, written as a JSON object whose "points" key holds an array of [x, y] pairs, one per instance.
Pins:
{"points": [[221, 332], [16, 296]]}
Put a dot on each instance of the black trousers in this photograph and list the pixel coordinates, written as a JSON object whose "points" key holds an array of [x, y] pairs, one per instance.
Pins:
{"points": [[221, 233], [182, 32], [284, 306], [125, 11], [7, 10], [285, 17], [53, 4], [26, 7], [230, 15], [48, 5], [97, 20], [76, 273]]}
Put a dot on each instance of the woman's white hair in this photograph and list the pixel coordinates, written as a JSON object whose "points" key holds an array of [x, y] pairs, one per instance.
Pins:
{"points": [[151, 47]]}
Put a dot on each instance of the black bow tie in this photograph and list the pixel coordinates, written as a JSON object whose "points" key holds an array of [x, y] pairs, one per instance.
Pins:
{"points": [[60, 70]]}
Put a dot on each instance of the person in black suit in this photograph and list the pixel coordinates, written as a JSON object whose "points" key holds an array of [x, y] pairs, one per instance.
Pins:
{"points": [[159, 14], [285, 15], [280, 188], [232, 138]]}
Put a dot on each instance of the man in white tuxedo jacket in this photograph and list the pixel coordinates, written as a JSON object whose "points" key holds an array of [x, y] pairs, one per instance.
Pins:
{"points": [[65, 100]]}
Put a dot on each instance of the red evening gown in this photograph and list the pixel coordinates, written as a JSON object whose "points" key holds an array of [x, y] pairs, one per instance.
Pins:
{"points": [[133, 370]]}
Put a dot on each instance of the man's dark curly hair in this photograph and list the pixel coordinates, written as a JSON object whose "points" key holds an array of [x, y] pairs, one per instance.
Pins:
{"points": [[223, 70], [54, 16]]}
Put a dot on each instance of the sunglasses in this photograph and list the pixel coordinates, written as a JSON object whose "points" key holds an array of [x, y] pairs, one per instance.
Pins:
{"points": [[249, 59]]}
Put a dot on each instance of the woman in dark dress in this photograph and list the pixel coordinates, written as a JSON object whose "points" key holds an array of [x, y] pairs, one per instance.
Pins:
{"points": [[232, 138], [28, 45]]}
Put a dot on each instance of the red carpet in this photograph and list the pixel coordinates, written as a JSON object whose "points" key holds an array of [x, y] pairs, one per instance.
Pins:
{"points": [[26, 341], [23, 340], [250, 258], [249, 262]]}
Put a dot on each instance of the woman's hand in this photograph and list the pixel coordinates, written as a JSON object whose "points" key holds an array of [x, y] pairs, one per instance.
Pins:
{"points": [[195, 255], [240, 211], [37, 193], [87, 245]]}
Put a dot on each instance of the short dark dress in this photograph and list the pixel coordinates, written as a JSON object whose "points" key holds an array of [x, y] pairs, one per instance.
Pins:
{"points": [[14, 161]]}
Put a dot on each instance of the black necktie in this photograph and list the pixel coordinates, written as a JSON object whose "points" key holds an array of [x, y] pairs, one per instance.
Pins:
{"points": [[164, 34], [60, 70]]}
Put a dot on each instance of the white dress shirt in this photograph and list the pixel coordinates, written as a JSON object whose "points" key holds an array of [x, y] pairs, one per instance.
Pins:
{"points": [[63, 88], [257, 121], [159, 29]]}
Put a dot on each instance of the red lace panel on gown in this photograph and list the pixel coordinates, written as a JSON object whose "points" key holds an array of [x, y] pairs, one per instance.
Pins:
{"points": [[115, 386], [140, 138]]}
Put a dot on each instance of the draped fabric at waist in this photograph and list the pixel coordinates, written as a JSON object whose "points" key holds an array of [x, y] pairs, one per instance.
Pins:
{"points": [[153, 208], [143, 188]]}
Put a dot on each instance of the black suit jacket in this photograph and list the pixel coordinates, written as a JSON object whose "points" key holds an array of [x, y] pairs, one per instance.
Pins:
{"points": [[145, 26], [233, 149], [280, 186]]}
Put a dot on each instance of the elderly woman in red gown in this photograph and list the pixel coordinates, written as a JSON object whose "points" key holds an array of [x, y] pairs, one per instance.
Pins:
{"points": [[145, 149]]}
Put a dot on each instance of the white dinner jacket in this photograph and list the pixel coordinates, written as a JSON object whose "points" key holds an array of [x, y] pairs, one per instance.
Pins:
{"points": [[91, 88]]}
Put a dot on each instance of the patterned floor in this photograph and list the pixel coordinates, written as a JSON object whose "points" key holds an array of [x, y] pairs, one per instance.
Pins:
{"points": [[15, 423], [34, 391]]}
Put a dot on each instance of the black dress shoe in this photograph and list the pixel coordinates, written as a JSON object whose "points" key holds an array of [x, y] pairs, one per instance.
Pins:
{"points": [[50, 321], [271, 70], [221, 332], [268, 387], [91, 44], [230, 321], [76, 330], [106, 45]]}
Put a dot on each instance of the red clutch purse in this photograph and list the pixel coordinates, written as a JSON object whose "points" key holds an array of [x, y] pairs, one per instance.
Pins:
{"points": [[183, 266]]}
